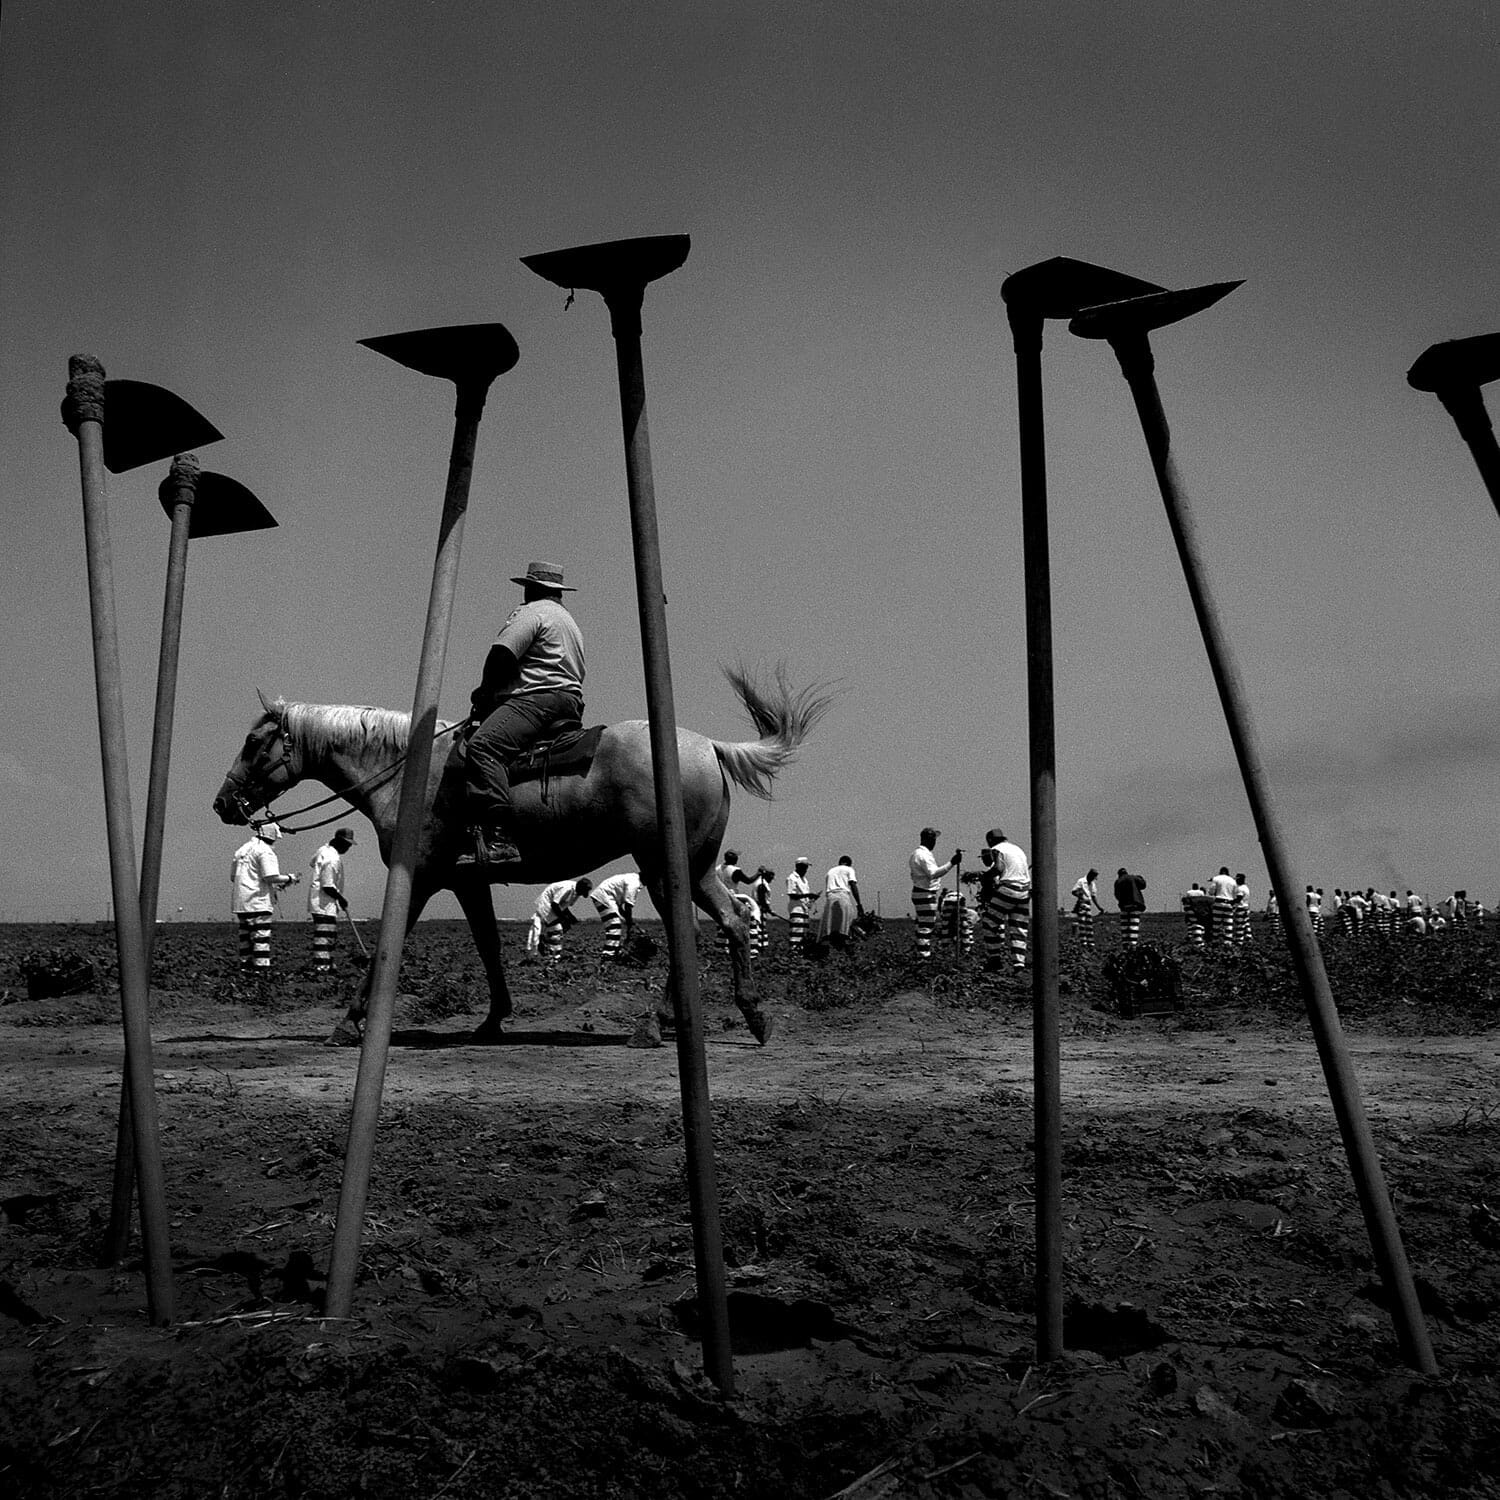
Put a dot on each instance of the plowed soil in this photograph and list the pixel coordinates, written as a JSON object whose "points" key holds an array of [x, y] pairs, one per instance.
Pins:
{"points": [[525, 1316]]}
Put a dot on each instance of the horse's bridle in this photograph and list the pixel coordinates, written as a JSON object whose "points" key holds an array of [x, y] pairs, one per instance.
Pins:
{"points": [[264, 784]]}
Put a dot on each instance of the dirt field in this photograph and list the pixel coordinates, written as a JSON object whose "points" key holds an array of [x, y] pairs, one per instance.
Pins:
{"points": [[524, 1316]]}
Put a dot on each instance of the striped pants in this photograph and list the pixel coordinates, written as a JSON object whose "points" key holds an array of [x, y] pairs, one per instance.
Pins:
{"points": [[949, 911], [324, 929], [1085, 916], [796, 926], [1242, 926], [1007, 920], [924, 906], [1223, 920], [255, 940], [1130, 928], [549, 940], [614, 928], [1194, 928]]}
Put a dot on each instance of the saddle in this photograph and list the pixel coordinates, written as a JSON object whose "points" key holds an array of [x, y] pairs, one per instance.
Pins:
{"points": [[569, 753]]}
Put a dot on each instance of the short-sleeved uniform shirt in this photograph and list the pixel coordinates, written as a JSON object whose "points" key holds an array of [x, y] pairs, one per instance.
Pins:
{"points": [[798, 892], [545, 639], [556, 899], [840, 878], [925, 869], [1221, 887], [1011, 866], [618, 893], [327, 869], [254, 871]]}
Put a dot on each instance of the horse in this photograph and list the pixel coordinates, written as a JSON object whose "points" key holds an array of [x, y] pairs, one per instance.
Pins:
{"points": [[565, 825]]}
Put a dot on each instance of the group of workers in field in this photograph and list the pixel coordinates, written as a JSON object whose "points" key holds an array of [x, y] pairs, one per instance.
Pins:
{"points": [[1220, 915]]}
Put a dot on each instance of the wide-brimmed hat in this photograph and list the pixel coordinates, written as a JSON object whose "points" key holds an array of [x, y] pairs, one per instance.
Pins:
{"points": [[547, 576], [345, 833]]}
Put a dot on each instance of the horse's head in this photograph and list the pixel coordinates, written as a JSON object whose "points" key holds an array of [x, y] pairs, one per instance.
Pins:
{"points": [[265, 768]]}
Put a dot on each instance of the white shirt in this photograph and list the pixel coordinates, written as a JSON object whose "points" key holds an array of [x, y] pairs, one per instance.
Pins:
{"points": [[253, 875], [798, 892], [840, 878], [925, 870], [1221, 888], [327, 869], [732, 877], [1011, 867], [1242, 895], [556, 899], [618, 892], [1085, 892]]}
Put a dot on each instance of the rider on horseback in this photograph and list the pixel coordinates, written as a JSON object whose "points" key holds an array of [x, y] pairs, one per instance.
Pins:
{"points": [[532, 688]]}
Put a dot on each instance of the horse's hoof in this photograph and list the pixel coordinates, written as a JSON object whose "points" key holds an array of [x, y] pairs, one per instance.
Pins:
{"points": [[761, 1025], [647, 1033], [487, 1034], [345, 1034]]}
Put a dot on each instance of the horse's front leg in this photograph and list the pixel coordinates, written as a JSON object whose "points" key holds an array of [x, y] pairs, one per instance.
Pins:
{"points": [[648, 1028], [478, 906], [350, 1030]]}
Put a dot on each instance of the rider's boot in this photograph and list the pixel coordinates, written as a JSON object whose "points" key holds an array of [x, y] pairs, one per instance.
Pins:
{"points": [[492, 846]]}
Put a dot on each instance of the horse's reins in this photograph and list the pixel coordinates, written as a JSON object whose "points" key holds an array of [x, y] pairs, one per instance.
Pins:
{"points": [[376, 778]]}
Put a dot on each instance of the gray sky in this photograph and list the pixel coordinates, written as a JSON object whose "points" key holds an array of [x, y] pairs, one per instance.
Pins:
{"points": [[223, 198]]}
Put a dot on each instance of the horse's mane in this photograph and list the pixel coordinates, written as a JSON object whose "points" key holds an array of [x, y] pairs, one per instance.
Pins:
{"points": [[318, 728]]}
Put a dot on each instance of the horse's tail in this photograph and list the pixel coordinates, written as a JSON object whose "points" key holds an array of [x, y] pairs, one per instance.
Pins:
{"points": [[784, 719]]}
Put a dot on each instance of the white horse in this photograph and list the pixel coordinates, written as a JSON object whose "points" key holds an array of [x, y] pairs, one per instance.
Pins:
{"points": [[565, 825]]}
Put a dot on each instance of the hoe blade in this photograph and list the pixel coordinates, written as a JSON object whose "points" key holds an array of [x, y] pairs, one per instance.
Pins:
{"points": [[222, 507], [1060, 287], [1474, 361], [466, 354], [145, 423], [1140, 315], [615, 265]]}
